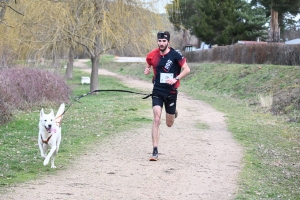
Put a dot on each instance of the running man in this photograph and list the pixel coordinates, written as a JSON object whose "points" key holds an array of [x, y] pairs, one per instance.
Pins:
{"points": [[169, 66]]}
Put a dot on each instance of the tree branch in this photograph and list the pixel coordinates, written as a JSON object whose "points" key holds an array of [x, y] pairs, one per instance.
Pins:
{"points": [[15, 10], [1, 21]]}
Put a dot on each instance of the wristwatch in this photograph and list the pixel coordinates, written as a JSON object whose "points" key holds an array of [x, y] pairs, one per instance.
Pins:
{"points": [[177, 78]]}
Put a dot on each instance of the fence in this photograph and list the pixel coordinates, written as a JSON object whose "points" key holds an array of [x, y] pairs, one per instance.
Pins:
{"points": [[278, 54]]}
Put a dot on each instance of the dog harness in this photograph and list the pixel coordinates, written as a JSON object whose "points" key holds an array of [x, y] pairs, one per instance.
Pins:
{"points": [[46, 141]]}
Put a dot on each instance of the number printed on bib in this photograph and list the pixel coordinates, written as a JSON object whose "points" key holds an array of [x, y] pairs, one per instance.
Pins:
{"points": [[165, 76]]}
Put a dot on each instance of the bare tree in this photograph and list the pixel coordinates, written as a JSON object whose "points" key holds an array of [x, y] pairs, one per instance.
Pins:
{"points": [[101, 25], [50, 29], [7, 33]]}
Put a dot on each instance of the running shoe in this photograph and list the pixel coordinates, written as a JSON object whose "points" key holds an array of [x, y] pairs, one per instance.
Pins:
{"points": [[154, 157]]}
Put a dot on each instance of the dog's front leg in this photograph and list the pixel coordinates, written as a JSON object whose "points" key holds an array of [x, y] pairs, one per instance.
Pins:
{"points": [[46, 161], [42, 150], [53, 159]]}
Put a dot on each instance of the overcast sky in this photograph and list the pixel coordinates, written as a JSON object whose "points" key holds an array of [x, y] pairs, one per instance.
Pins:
{"points": [[160, 5]]}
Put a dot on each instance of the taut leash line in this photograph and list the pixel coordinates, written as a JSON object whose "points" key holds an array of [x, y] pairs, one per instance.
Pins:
{"points": [[83, 95], [147, 95]]}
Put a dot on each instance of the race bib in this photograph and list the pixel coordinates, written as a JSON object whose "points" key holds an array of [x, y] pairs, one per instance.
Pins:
{"points": [[165, 76]]}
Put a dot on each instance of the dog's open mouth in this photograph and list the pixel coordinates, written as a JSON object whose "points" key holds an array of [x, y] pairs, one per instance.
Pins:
{"points": [[48, 129]]}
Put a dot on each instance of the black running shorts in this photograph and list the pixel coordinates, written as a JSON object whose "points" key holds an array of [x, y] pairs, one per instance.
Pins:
{"points": [[161, 98]]}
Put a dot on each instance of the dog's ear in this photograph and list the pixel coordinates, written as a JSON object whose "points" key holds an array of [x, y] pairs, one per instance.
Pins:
{"points": [[42, 112], [52, 113]]}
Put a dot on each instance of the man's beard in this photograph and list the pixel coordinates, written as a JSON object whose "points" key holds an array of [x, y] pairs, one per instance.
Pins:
{"points": [[162, 50]]}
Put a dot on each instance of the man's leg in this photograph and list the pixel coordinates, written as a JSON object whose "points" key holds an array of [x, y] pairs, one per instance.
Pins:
{"points": [[171, 111], [155, 131], [155, 126], [170, 118]]}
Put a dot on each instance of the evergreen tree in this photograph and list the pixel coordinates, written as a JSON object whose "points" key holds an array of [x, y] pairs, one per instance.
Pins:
{"points": [[215, 21], [220, 22], [250, 22]]}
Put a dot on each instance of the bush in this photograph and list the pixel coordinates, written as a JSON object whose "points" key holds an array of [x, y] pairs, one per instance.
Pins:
{"points": [[23, 88]]}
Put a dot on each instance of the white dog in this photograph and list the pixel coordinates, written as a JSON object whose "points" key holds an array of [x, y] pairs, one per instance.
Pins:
{"points": [[50, 134]]}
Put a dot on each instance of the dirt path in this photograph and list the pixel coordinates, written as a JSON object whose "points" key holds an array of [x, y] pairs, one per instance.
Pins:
{"points": [[194, 163]]}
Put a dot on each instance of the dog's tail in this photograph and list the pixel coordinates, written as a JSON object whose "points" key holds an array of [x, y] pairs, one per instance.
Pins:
{"points": [[59, 114], [61, 110]]}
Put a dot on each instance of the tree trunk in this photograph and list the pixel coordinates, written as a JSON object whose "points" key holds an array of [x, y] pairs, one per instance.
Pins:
{"points": [[55, 56], [69, 70], [274, 34], [94, 73], [95, 57]]}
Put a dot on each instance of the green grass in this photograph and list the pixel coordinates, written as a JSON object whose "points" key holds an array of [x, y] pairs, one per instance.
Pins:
{"points": [[271, 164], [85, 123]]}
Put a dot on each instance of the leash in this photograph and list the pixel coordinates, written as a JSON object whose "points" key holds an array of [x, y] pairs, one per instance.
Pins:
{"points": [[86, 94], [147, 95]]}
